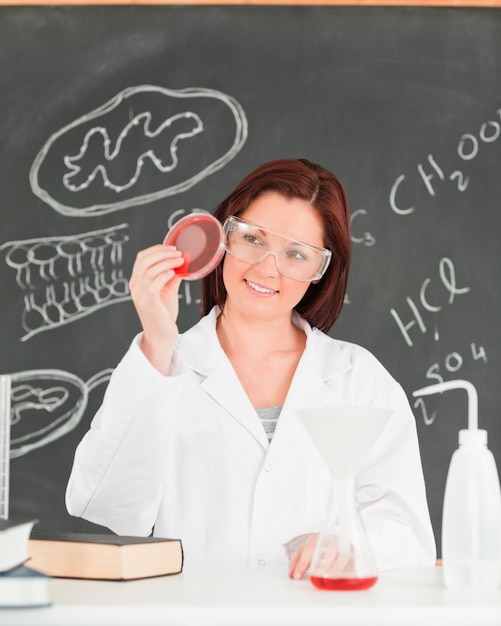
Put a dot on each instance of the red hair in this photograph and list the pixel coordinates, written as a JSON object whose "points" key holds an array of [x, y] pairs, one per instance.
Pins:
{"points": [[297, 178]]}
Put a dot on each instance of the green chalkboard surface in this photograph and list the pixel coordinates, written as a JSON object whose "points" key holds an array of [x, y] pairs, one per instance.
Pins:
{"points": [[115, 121]]}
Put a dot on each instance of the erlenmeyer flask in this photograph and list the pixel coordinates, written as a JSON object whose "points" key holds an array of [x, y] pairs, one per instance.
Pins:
{"points": [[343, 558]]}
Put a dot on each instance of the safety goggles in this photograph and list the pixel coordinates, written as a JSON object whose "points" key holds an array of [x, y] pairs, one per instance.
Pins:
{"points": [[295, 259]]}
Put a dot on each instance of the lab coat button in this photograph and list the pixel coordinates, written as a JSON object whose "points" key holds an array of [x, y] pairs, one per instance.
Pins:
{"points": [[267, 468], [261, 562]]}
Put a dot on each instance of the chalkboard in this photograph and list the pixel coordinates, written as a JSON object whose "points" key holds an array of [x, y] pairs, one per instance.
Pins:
{"points": [[404, 104]]}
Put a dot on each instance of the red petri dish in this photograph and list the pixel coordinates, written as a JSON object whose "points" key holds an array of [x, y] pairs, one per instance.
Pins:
{"points": [[200, 237]]}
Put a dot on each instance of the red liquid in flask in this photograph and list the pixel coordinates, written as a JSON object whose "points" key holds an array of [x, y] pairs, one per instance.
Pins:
{"points": [[343, 584]]}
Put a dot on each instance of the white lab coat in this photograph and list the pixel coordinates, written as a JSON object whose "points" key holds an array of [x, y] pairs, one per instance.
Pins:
{"points": [[187, 456]]}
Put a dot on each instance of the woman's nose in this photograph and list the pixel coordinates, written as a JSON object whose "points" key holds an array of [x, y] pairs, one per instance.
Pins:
{"points": [[269, 264]]}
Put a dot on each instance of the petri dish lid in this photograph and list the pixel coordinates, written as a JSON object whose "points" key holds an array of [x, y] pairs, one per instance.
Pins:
{"points": [[200, 237]]}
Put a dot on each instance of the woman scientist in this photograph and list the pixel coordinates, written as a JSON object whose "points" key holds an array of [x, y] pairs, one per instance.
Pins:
{"points": [[198, 436]]}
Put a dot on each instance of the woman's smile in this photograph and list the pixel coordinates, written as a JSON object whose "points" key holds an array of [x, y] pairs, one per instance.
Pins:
{"points": [[261, 289]]}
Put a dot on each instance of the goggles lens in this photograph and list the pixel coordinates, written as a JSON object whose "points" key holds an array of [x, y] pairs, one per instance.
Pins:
{"points": [[295, 259]]}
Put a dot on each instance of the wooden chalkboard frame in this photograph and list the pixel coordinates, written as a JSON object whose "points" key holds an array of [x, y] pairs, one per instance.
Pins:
{"points": [[421, 3]]}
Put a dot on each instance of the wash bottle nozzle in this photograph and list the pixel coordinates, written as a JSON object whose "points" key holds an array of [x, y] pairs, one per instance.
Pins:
{"points": [[456, 384]]}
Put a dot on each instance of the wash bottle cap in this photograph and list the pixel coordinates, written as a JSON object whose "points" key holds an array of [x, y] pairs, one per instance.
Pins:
{"points": [[472, 437]]}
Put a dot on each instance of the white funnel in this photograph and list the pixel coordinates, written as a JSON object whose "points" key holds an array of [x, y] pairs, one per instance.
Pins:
{"points": [[344, 435]]}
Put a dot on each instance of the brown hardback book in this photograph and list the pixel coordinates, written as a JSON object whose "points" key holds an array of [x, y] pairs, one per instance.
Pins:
{"points": [[103, 557]]}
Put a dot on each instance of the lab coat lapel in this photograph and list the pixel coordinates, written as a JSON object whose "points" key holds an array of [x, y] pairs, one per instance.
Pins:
{"points": [[201, 351], [321, 361], [223, 385]]}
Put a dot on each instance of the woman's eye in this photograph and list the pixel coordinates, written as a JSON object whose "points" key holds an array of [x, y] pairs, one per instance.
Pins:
{"points": [[251, 239], [297, 255]]}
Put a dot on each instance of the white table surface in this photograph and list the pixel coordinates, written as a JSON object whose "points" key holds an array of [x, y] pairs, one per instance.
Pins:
{"points": [[212, 596]]}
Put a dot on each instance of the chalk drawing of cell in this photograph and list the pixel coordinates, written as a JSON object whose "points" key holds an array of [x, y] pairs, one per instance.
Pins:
{"points": [[66, 278], [144, 144], [46, 405]]}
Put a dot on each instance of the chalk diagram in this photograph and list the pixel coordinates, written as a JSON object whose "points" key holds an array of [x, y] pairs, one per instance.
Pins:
{"points": [[67, 278], [45, 405], [144, 144]]}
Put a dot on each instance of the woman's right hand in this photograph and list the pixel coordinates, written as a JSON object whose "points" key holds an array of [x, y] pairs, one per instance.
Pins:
{"points": [[154, 288]]}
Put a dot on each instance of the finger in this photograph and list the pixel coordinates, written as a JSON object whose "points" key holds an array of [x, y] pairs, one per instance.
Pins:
{"points": [[293, 561], [301, 559], [297, 554], [334, 562], [149, 257], [154, 262], [341, 562]]}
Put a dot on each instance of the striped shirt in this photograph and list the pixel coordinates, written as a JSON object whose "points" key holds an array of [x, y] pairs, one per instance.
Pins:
{"points": [[269, 417]]}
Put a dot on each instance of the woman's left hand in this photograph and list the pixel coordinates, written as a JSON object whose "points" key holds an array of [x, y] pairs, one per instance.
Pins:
{"points": [[333, 561], [301, 559]]}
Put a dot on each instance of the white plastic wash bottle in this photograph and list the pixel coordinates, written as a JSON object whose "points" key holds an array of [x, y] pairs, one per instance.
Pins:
{"points": [[471, 522]]}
